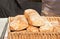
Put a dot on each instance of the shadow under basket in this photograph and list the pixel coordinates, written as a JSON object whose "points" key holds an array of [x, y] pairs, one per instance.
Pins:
{"points": [[37, 35]]}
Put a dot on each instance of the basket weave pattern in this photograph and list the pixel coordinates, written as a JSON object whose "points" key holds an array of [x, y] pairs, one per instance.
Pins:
{"points": [[18, 35]]}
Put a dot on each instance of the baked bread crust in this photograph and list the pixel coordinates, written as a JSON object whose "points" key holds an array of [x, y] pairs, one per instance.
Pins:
{"points": [[19, 23], [47, 28], [32, 29], [33, 17]]}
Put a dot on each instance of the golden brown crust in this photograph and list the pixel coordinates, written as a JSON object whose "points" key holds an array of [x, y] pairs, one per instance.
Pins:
{"points": [[32, 29], [33, 17], [19, 23], [47, 24], [52, 25], [46, 28]]}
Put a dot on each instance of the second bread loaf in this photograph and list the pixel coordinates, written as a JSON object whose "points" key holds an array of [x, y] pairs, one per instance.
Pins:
{"points": [[33, 17]]}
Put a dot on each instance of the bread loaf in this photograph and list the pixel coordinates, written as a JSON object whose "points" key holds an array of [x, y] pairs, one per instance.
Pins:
{"points": [[32, 29], [33, 17], [19, 23], [46, 28]]}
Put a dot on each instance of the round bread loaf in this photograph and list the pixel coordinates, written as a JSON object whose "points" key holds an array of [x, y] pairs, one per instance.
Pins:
{"points": [[33, 17], [18, 23], [46, 28]]}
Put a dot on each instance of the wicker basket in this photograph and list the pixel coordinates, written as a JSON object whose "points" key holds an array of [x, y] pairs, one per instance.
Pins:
{"points": [[37, 35]]}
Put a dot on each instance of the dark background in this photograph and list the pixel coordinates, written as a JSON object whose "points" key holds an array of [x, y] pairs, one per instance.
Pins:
{"points": [[15, 7]]}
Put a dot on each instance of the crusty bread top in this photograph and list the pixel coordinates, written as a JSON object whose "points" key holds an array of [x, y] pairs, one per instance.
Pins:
{"points": [[19, 23], [33, 17]]}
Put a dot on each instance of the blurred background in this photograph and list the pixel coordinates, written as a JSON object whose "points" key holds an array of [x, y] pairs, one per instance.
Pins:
{"points": [[16, 7]]}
